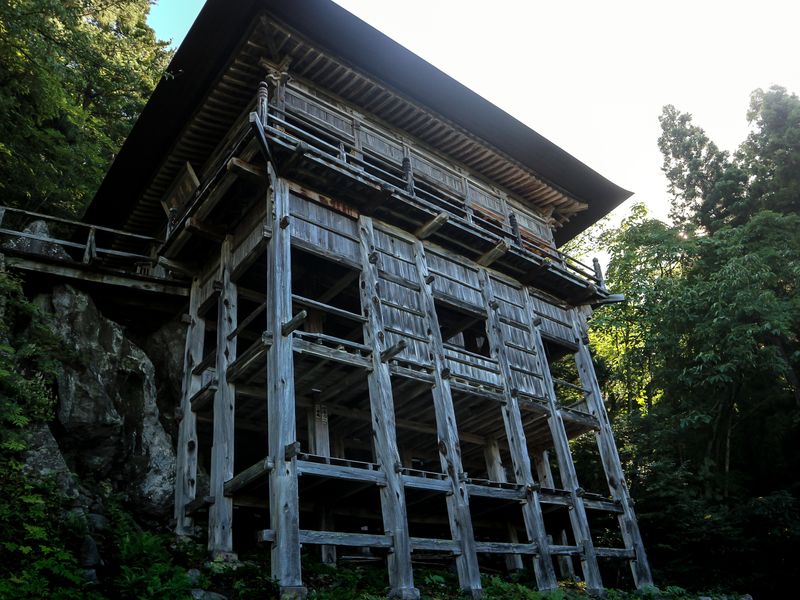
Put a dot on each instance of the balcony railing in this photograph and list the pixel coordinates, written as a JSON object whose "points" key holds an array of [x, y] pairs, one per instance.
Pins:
{"points": [[65, 241], [375, 150]]}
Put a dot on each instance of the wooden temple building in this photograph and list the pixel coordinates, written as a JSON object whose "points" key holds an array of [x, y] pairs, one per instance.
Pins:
{"points": [[366, 254]]}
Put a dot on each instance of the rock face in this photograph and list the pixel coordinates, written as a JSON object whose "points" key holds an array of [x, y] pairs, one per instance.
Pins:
{"points": [[37, 246], [108, 408], [165, 348], [43, 459]]}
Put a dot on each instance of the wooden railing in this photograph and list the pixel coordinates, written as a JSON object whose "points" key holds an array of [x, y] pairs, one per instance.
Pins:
{"points": [[373, 149], [64, 240]]}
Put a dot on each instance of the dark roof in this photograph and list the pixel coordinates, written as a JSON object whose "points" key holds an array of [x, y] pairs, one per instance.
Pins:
{"points": [[216, 34]]}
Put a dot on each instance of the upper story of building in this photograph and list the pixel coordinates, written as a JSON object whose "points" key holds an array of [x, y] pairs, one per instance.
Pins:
{"points": [[358, 123]]}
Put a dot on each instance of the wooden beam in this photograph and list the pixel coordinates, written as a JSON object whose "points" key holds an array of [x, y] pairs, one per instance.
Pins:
{"points": [[247, 170], [220, 517], [496, 252], [283, 487], [186, 456], [393, 502], [496, 472], [566, 467], [517, 444], [250, 475], [609, 457], [393, 351], [95, 275], [469, 575], [204, 230], [294, 323], [428, 229]]}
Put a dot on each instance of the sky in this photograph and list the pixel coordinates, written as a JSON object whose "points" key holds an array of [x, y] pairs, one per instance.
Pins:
{"points": [[592, 76]]}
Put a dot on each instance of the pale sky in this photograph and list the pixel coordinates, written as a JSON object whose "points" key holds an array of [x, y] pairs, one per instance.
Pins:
{"points": [[592, 76]]}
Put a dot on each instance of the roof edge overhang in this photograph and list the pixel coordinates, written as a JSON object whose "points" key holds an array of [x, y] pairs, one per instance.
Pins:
{"points": [[218, 31]]}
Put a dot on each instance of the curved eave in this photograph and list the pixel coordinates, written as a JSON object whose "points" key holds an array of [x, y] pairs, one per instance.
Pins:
{"points": [[218, 31]]}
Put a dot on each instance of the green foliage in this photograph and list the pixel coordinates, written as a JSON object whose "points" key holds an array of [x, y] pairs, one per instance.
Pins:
{"points": [[74, 76], [145, 568], [36, 558], [701, 365]]}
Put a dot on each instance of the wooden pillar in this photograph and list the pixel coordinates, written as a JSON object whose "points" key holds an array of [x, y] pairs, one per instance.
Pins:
{"points": [[186, 460], [284, 506], [517, 445], [469, 575], [496, 472], [320, 435], [384, 429], [545, 475], [609, 456], [393, 501], [566, 468], [220, 514]]}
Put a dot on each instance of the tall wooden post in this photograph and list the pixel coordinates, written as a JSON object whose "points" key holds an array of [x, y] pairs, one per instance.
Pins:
{"points": [[284, 506], [469, 575], [320, 436], [393, 501], [220, 514], [566, 467], [609, 456], [186, 460], [496, 472], [517, 445], [545, 474]]}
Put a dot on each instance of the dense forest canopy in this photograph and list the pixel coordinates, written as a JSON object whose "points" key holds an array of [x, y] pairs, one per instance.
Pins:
{"points": [[701, 365], [74, 75]]}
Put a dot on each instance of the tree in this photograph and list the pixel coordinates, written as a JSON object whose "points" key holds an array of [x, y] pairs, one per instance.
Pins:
{"points": [[701, 365], [74, 75]]}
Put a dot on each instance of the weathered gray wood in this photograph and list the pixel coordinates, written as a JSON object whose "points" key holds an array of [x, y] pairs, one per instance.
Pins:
{"points": [[449, 447], [609, 457], [283, 492], [517, 444], [204, 230], [294, 323], [566, 467], [496, 472], [432, 226], [348, 473], [198, 504], [245, 169], [335, 538], [95, 275], [319, 433], [249, 475], [91, 247], [491, 255], [326, 308], [393, 504], [186, 459], [220, 516]]}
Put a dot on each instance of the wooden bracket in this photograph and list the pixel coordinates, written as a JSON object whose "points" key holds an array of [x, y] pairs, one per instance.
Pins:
{"points": [[180, 267], [589, 291], [294, 323], [428, 229], [263, 144], [246, 170], [291, 450], [209, 232], [393, 351], [499, 250], [545, 266]]}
